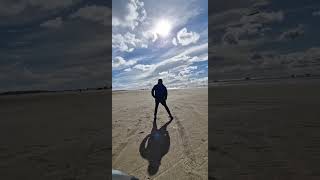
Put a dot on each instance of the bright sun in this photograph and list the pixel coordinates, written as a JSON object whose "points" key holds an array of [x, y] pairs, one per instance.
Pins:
{"points": [[162, 28]]}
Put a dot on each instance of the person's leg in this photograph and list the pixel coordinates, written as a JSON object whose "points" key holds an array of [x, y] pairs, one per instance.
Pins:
{"points": [[167, 108], [154, 126], [156, 108]]}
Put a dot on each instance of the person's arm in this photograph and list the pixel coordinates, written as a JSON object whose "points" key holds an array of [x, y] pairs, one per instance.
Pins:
{"points": [[152, 92]]}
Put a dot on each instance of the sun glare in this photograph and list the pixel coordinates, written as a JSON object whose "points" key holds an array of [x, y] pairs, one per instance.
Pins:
{"points": [[162, 28]]}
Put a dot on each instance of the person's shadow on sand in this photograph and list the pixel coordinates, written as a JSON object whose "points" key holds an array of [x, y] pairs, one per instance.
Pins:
{"points": [[154, 146]]}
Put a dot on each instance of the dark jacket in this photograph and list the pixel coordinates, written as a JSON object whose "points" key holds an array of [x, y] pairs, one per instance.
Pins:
{"points": [[159, 91]]}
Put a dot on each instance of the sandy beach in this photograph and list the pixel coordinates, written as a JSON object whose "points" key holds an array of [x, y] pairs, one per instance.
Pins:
{"points": [[56, 136], [256, 131], [265, 130], [185, 143]]}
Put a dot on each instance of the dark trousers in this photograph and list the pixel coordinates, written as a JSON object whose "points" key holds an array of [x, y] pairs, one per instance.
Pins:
{"points": [[163, 102]]}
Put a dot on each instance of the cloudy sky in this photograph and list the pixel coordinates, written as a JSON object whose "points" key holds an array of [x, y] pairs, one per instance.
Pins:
{"points": [[54, 44], [154, 39], [70, 44], [263, 38]]}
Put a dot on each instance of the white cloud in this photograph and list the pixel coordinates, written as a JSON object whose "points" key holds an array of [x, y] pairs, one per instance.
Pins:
{"points": [[177, 75], [185, 38], [174, 41], [100, 14], [149, 35], [50, 4], [250, 25], [263, 17], [199, 81], [267, 63], [127, 42], [203, 57], [163, 73], [54, 23], [143, 67], [233, 34], [8, 8], [202, 48], [175, 65], [301, 59], [119, 63], [292, 33], [130, 16], [187, 70], [181, 76], [316, 13], [182, 59]]}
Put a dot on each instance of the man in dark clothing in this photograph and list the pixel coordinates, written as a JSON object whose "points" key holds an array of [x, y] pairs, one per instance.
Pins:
{"points": [[160, 93]]}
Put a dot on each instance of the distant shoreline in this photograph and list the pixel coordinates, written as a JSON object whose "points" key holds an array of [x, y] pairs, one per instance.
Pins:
{"points": [[11, 93], [125, 90], [241, 81]]}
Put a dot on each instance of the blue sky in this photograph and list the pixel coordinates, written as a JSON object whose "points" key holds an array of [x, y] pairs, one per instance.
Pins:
{"points": [[143, 53]]}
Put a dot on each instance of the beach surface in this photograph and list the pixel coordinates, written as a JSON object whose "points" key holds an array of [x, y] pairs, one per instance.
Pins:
{"points": [[56, 136], [181, 153], [266, 130]]}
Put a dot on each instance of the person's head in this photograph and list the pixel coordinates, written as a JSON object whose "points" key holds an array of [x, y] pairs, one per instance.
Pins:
{"points": [[159, 81]]}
